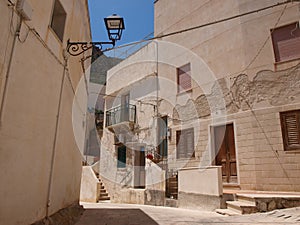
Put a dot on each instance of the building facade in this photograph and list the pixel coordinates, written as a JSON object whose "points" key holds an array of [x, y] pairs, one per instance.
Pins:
{"points": [[216, 106], [41, 107]]}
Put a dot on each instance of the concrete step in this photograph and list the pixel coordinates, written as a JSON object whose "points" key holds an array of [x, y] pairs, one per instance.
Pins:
{"points": [[241, 207], [227, 212]]}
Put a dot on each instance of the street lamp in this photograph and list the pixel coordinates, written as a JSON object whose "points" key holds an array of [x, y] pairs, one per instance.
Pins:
{"points": [[114, 25]]}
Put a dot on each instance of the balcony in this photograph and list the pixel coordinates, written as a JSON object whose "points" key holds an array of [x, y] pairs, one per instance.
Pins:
{"points": [[121, 118]]}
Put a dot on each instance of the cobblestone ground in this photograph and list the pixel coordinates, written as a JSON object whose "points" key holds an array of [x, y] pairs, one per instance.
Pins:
{"points": [[121, 214]]}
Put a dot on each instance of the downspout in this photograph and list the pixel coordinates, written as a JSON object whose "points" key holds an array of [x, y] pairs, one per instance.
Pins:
{"points": [[5, 88], [157, 112], [50, 182]]}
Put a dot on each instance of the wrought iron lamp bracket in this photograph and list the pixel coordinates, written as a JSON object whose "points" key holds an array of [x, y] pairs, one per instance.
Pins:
{"points": [[77, 48]]}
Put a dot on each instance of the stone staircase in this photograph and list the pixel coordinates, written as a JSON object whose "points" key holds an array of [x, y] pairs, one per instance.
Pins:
{"points": [[240, 205], [103, 194], [247, 203]]}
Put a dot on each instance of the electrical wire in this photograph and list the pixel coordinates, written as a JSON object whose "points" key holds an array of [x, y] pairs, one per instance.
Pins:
{"points": [[202, 25]]}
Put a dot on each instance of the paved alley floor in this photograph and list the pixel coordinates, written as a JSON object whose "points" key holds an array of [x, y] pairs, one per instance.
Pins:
{"points": [[124, 214]]}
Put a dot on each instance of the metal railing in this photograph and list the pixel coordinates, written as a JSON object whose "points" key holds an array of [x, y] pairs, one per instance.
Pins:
{"points": [[155, 157], [119, 114]]}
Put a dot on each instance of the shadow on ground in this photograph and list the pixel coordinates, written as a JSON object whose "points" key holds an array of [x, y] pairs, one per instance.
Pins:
{"points": [[115, 217]]}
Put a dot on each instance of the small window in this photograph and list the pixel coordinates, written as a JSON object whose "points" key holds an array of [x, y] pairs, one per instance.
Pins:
{"points": [[286, 42], [185, 143], [121, 157], [290, 125], [58, 20], [184, 78]]}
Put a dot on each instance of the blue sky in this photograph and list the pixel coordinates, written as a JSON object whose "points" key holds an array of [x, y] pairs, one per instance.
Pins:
{"points": [[138, 17]]}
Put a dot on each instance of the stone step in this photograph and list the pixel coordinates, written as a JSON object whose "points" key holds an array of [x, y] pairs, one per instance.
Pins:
{"points": [[103, 194], [227, 212], [246, 199], [171, 202], [104, 198], [241, 207], [102, 190]]}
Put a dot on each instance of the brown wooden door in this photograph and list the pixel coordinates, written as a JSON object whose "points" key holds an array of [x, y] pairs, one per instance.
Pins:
{"points": [[225, 152], [139, 168]]}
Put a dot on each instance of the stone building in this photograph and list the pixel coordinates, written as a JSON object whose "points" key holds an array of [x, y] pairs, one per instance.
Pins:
{"points": [[215, 107], [42, 107]]}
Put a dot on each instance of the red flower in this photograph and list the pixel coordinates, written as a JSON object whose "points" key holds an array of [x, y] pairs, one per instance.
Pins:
{"points": [[149, 156]]}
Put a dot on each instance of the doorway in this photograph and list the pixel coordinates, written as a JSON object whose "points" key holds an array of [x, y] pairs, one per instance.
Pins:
{"points": [[225, 154], [139, 168], [162, 137]]}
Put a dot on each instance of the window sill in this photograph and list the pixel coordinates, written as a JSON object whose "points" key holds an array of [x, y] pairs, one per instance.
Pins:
{"points": [[287, 61], [122, 169], [185, 92], [55, 35], [296, 151], [184, 159]]}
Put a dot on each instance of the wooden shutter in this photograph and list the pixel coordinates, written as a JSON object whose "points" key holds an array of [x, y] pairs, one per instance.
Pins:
{"points": [[184, 78], [180, 145], [190, 143], [185, 143], [286, 42], [290, 123]]}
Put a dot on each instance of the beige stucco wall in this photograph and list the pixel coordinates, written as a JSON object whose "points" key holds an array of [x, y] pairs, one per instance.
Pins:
{"points": [[28, 151], [235, 80]]}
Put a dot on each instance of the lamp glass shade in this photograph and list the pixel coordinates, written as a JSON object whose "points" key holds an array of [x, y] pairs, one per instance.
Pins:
{"points": [[114, 22]]}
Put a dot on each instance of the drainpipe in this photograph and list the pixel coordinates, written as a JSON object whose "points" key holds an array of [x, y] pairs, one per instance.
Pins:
{"points": [[5, 88], [50, 182]]}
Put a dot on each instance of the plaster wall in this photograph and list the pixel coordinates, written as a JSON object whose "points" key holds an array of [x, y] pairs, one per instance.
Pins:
{"points": [[89, 190], [206, 181], [208, 42], [32, 148]]}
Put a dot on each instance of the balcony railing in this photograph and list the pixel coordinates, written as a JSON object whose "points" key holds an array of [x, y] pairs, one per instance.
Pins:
{"points": [[122, 113]]}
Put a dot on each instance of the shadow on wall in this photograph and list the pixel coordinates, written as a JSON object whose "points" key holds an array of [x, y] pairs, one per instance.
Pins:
{"points": [[115, 217]]}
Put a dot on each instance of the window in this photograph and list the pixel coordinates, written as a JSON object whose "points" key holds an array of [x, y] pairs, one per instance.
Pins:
{"points": [[185, 143], [290, 125], [286, 42], [121, 157], [58, 20], [184, 78]]}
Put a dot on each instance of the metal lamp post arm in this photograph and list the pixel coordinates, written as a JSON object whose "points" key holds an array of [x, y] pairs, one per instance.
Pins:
{"points": [[77, 48]]}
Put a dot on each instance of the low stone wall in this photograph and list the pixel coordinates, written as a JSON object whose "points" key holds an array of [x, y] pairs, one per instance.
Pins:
{"points": [[198, 201], [270, 204], [89, 190], [154, 197], [200, 188]]}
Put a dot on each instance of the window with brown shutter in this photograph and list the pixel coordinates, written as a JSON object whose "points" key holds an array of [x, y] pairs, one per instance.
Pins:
{"points": [[184, 82], [290, 125], [58, 21], [185, 143], [286, 42]]}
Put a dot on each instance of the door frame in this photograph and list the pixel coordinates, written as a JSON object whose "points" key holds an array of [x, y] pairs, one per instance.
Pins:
{"points": [[211, 143]]}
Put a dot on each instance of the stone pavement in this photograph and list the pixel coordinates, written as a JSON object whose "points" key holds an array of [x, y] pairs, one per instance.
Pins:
{"points": [[124, 214]]}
